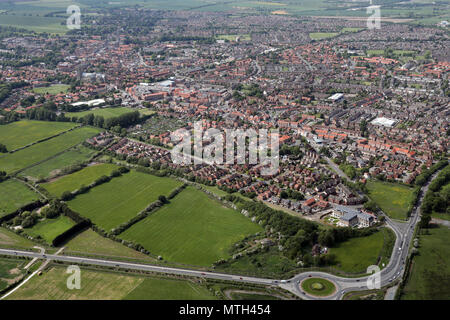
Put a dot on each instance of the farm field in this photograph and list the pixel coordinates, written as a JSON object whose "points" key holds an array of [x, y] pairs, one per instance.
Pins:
{"points": [[166, 289], [49, 229], [53, 166], [192, 229], [10, 271], [14, 195], [102, 285], [119, 200], [53, 89], [90, 242], [34, 23], [22, 133], [77, 179], [104, 112], [394, 199], [42, 151], [430, 272], [356, 254], [10, 239]]}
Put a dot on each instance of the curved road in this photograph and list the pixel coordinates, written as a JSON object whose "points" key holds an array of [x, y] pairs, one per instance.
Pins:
{"points": [[394, 270]]}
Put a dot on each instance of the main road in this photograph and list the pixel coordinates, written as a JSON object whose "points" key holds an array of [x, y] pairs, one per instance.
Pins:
{"points": [[394, 270]]}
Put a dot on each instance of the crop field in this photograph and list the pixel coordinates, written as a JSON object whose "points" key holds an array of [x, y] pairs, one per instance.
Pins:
{"points": [[10, 239], [54, 89], [14, 195], [394, 199], [102, 285], [90, 242], [322, 35], [192, 229], [53, 166], [166, 289], [49, 229], [21, 133], [430, 275], [104, 112], [119, 200], [75, 180], [45, 150], [356, 254]]}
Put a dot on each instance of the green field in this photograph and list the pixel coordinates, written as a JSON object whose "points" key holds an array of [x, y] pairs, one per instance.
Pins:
{"points": [[356, 254], [14, 195], [10, 272], [394, 199], [322, 35], [165, 289], [21, 133], [104, 112], [49, 229], [119, 200], [192, 229], [102, 285], [9, 239], [53, 89], [232, 37], [45, 150], [90, 242], [430, 275], [75, 180], [53, 166], [318, 287]]}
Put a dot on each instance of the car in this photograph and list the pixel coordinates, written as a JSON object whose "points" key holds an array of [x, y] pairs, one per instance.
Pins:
{"points": [[309, 276], [241, 278], [203, 274], [357, 280]]}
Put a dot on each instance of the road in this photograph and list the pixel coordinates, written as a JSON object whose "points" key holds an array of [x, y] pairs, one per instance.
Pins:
{"points": [[393, 271]]}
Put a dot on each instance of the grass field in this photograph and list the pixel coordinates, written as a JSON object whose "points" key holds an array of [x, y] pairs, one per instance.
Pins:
{"points": [[90, 242], [53, 166], [192, 229], [101, 285], [165, 289], [10, 239], [119, 200], [430, 277], [49, 229], [54, 89], [104, 112], [21, 133], [10, 271], [394, 199], [322, 35], [356, 254], [75, 180], [318, 287], [45, 150], [14, 195]]}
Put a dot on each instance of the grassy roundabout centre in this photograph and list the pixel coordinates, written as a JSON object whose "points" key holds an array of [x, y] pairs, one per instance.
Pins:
{"points": [[318, 287]]}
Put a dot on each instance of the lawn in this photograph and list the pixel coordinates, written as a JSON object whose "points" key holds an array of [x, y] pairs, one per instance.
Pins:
{"points": [[54, 89], [42, 151], [14, 195], [75, 180], [318, 287], [49, 229], [356, 254], [192, 229], [90, 242], [119, 200], [430, 275], [165, 289], [53, 166], [104, 112], [21, 133], [394, 199]]}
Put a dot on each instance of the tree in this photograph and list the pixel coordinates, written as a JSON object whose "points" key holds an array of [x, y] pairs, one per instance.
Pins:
{"points": [[425, 221], [3, 148], [163, 199]]}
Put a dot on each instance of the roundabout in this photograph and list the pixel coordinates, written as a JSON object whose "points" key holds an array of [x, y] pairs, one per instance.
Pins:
{"points": [[318, 287]]}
